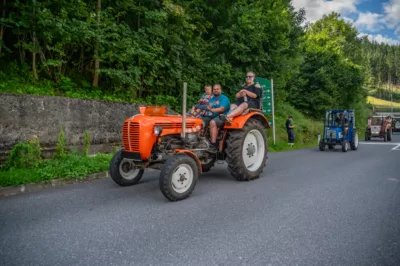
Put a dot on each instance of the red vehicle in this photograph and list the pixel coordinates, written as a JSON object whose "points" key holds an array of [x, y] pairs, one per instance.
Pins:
{"points": [[379, 127], [180, 148]]}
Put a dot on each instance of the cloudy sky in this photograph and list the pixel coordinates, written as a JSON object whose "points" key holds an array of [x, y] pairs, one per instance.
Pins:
{"points": [[379, 19]]}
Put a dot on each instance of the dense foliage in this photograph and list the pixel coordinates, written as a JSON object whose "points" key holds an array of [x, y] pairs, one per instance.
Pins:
{"points": [[143, 51]]}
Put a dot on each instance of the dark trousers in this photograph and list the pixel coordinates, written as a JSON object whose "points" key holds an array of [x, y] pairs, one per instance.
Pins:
{"points": [[290, 136]]}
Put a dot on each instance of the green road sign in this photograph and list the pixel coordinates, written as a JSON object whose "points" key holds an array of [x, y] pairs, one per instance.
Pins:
{"points": [[270, 122], [267, 95]]}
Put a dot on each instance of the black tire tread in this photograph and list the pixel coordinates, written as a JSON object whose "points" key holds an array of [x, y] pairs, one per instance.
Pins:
{"points": [[389, 137], [166, 171], [352, 144], [321, 146], [207, 167], [116, 175], [234, 151], [344, 146]]}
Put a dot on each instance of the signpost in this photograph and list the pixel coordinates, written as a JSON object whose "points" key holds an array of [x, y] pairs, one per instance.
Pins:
{"points": [[268, 107]]}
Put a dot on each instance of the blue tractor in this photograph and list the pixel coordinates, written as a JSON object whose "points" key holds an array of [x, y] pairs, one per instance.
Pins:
{"points": [[339, 129]]}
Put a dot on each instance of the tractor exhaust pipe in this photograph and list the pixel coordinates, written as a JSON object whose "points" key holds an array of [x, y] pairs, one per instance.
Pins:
{"points": [[183, 134]]}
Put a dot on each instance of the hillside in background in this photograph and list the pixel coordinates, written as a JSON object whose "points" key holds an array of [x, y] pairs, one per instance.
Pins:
{"points": [[142, 51]]}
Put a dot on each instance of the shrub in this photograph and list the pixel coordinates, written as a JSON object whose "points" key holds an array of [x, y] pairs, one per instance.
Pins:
{"points": [[25, 155], [60, 148]]}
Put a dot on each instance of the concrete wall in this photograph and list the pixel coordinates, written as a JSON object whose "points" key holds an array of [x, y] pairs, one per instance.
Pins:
{"points": [[24, 116]]}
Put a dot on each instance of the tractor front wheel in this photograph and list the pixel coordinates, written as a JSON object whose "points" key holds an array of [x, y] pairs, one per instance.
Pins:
{"points": [[321, 146], [246, 151], [178, 177], [123, 172], [354, 140], [389, 135], [345, 146]]}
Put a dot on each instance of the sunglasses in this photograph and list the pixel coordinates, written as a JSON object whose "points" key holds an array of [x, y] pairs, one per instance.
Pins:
{"points": [[249, 77]]}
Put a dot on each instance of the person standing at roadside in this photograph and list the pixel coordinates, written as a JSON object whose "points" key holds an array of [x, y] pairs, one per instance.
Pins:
{"points": [[289, 129]]}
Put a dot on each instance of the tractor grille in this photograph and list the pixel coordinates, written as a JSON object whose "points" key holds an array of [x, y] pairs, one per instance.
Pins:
{"points": [[331, 134], [174, 125], [131, 136]]}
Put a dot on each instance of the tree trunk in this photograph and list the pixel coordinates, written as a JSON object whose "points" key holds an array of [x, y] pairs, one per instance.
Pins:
{"points": [[35, 75], [2, 29], [96, 49]]}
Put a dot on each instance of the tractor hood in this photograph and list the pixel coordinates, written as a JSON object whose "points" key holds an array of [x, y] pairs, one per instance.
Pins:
{"points": [[140, 132]]}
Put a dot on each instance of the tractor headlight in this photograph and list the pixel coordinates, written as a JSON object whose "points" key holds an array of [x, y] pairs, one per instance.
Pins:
{"points": [[157, 130]]}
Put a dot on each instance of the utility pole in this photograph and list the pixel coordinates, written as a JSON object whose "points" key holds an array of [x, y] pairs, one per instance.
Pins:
{"points": [[391, 93]]}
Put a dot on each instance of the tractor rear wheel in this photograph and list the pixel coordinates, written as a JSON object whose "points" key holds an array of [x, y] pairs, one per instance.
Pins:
{"points": [[178, 177], [246, 151], [122, 171], [354, 140], [345, 146]]}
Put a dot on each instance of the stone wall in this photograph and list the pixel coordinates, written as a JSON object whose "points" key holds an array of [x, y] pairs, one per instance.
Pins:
{"points": [[25, 116]]}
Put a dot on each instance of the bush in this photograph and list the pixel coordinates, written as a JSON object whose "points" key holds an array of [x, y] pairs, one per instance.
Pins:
{"points": [[60, 148], [25, 155]]}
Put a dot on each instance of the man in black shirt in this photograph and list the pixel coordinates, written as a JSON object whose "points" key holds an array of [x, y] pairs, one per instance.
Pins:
{"points": [[247, 97], [289, 129]]}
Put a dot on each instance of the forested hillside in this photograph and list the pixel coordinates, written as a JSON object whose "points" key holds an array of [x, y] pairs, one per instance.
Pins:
{"points": [[382, 71], [143, 50]]}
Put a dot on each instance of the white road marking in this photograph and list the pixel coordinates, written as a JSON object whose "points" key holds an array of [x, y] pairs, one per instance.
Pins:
{"points": [[380, 143], [397, 148], [396, 144]]}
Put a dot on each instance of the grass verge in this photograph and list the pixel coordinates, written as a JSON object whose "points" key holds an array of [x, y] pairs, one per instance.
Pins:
{"points": [[380, 102], [306, 130], [68, 166]]}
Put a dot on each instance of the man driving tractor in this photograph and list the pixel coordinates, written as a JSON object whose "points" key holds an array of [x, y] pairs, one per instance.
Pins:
{"points": [[218, 104], [342, 121]]}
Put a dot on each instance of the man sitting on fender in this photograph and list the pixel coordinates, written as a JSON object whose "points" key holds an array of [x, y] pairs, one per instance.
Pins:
{"points": [[247, 97]]}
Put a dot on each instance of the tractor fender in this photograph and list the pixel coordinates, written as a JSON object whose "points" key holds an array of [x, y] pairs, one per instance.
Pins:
{"points": [[239, 121], [193, 155]]}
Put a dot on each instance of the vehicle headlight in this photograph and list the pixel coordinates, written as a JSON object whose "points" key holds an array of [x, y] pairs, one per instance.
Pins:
{"points": [[157, 130]]}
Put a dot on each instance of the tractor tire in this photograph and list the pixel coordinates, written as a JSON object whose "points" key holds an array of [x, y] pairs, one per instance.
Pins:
{"points": [[389, 135], [206, 167], [178, 177], [354, 140], [345, 146], [321, 146], [121, 173], [246, 151]]}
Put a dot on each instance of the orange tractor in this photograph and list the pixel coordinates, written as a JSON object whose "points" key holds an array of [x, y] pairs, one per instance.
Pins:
{"points": [[180, 148]]}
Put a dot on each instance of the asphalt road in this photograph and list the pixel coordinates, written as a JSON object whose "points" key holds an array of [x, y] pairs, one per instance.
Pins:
{"points": [[309, 208]]}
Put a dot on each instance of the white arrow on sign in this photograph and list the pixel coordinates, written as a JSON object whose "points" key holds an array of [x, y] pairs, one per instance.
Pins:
{"points": [[269, 104]]}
